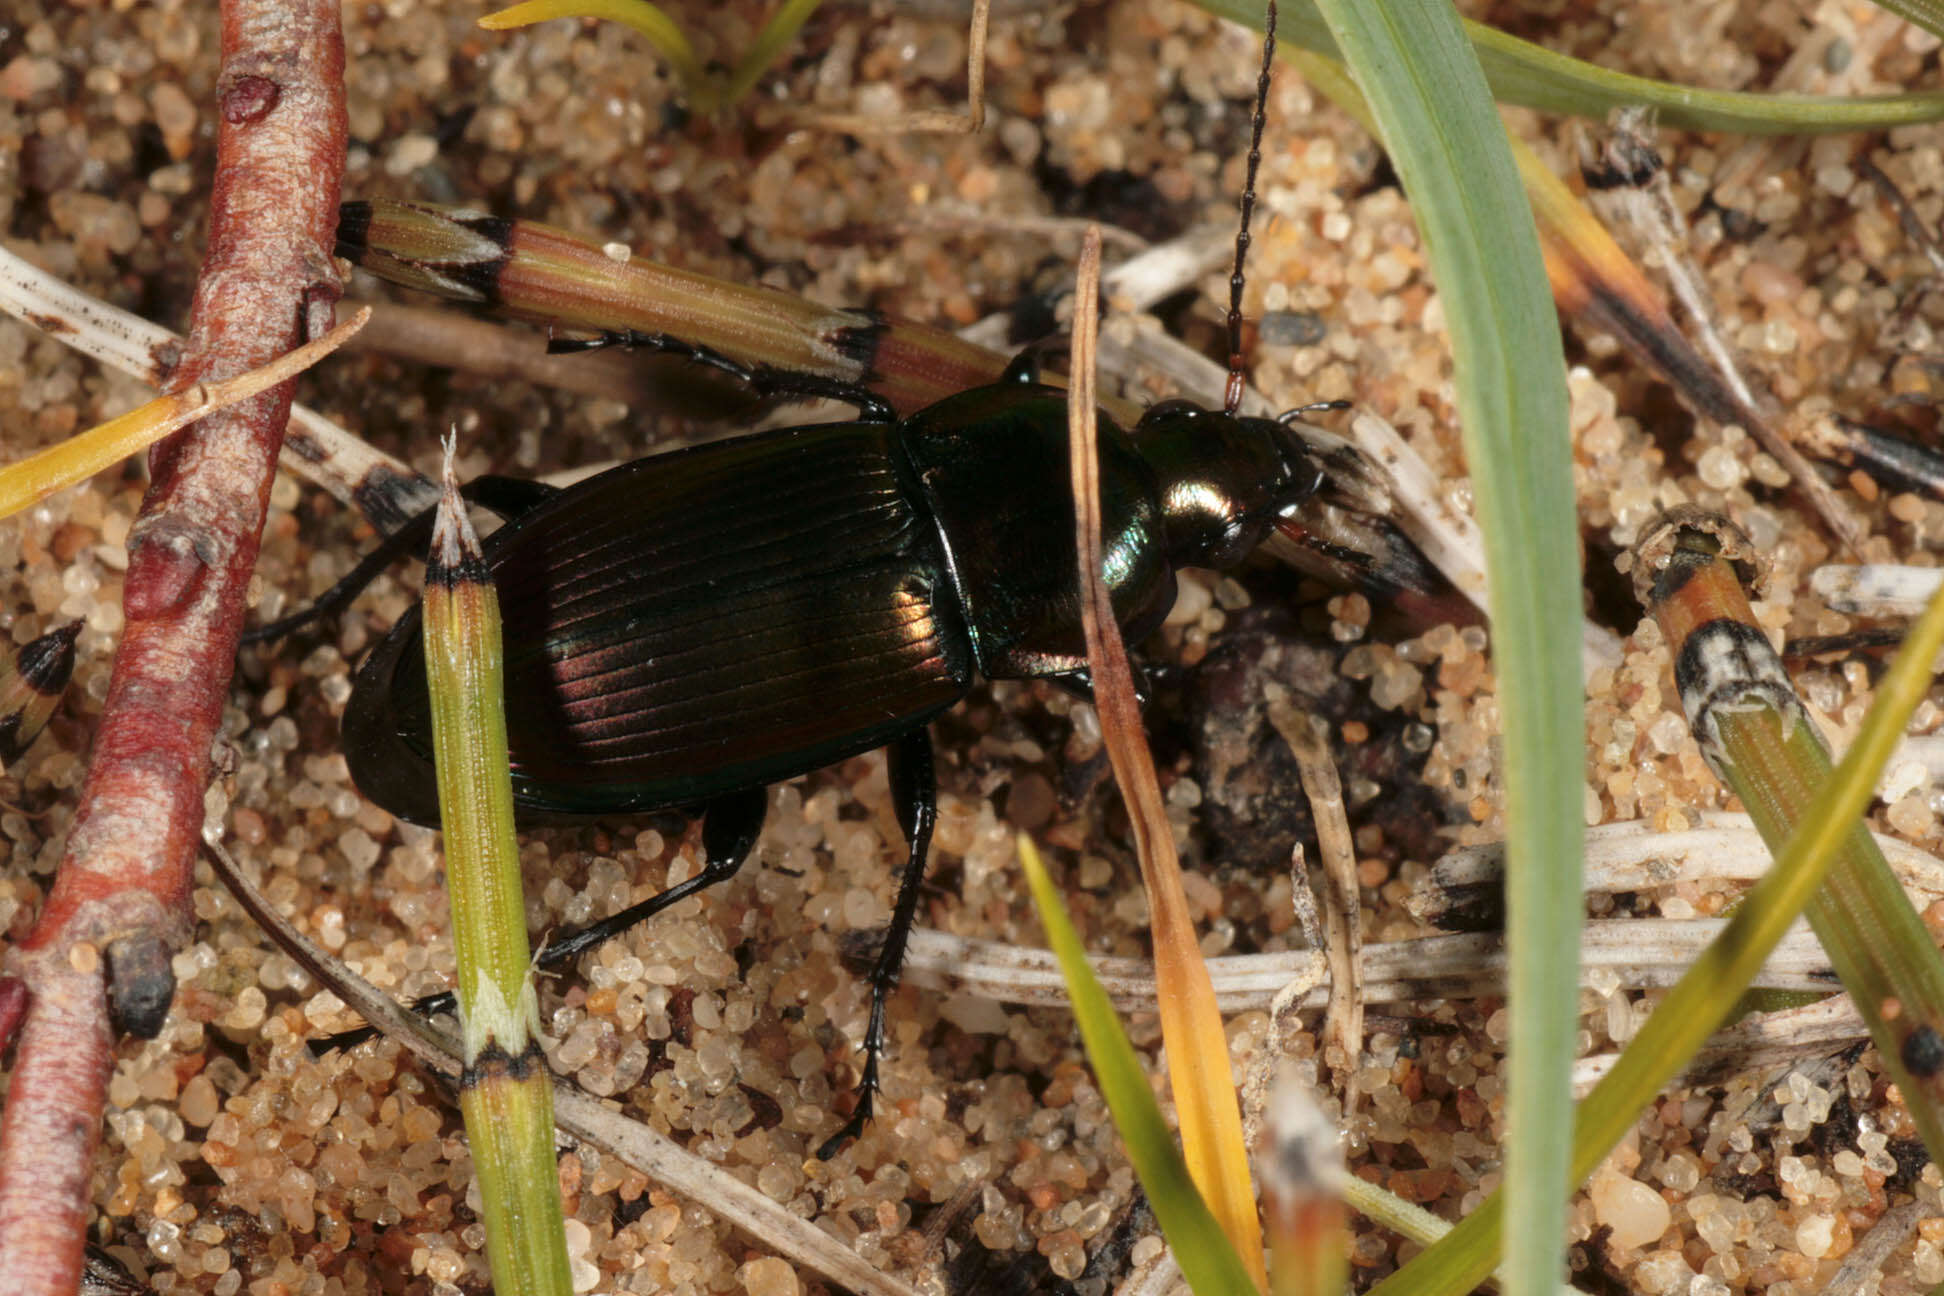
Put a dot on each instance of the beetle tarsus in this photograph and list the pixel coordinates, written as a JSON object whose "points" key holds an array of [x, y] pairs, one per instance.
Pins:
{"points": [[854, 1127], [762, 380], [425, 1006], [914, 792]]}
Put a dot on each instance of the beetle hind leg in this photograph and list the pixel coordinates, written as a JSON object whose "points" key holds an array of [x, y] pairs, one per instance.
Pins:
{"points": [[761, 379], [507, 496], [914, 791], [730, 826]]}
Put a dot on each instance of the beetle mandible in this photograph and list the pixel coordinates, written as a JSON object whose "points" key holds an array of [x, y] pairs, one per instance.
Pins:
{"points": [[684, 630]]}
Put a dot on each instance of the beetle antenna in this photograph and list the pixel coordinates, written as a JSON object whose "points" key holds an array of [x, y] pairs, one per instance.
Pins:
{"points": [[1232, 399]]}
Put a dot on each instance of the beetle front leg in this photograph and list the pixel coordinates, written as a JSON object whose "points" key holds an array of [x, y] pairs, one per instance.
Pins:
{"points": [[1028, 365], [1079, 683], [914, 792]]}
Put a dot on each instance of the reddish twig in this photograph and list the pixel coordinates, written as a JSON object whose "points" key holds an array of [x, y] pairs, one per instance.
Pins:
{"points": [[98, 958]]}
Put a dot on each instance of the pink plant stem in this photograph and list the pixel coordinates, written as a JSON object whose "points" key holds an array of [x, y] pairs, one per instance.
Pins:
{"points": [[99, 956]]}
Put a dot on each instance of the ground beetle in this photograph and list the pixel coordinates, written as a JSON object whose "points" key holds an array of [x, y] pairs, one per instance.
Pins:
{"points": [[684, 630]]}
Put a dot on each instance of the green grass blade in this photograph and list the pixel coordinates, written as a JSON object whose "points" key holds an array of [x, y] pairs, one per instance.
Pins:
{"points": [[1928, 14], [1207, 1260], [1534, 77], [1415, 66], [505, 1090], [647, 20], [768, 45]]}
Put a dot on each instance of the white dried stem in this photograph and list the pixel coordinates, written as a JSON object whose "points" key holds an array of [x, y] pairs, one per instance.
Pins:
{"points": [[926, 121], [1631, 953], [1648, 210], [1634, 856], [1892, 1229], [1768, 1040], [1445, 532], [333, 458], [1342, 909], [1876, 589]]}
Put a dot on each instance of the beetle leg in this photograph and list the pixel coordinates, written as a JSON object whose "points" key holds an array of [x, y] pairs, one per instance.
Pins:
{"points": [[1079, 683], [507, 496], [1289, 416], [1027, 366], [730, 826], [410, 538], [914, 791], [761, 379]]}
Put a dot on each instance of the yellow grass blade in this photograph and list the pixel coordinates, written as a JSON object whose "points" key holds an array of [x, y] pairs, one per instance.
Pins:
{"points": [[36, 477], [1191, 1025]]}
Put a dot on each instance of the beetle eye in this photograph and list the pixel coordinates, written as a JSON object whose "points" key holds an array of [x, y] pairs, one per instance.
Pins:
{"points": [[1239, 540], [1293, 450]]}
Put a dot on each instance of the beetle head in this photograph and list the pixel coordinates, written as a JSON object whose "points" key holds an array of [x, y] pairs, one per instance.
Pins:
{"points": [[1223, 479]]}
